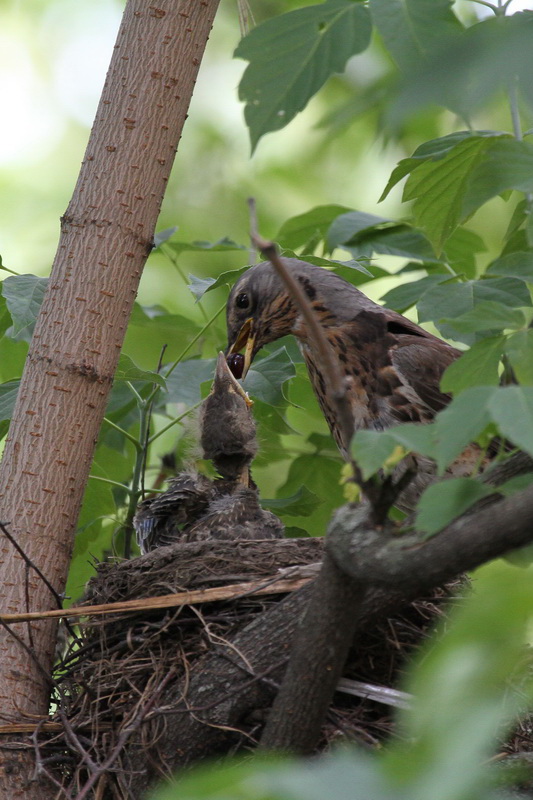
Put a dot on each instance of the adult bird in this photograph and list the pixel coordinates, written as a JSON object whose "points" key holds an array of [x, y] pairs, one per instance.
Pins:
{"points": [[196, 508], [392, 367]]}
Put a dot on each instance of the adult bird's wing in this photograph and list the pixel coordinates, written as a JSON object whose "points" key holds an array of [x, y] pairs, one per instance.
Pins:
{"points": [[420, 364]]}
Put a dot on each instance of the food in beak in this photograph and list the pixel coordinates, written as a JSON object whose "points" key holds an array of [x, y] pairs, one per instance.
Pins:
{"points": [[236, 364], [225, 375], [246, 339]]}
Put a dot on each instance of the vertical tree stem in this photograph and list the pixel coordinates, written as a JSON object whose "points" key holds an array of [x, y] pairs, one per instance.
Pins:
{"points": [[106, 236]]}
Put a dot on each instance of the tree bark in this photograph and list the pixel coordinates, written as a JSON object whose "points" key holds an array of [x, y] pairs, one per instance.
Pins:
{"points": [[106, 236]]}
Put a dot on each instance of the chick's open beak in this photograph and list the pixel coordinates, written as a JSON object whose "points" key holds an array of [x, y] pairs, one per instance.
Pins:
{"points": [[246, 339], [226, 381]]}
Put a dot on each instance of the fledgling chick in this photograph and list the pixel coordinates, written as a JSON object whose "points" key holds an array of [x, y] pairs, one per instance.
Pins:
{"points": [[227, 427], [195, 508]]}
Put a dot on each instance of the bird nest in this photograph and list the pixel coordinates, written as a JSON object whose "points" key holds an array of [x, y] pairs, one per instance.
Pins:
{"points": [[126, 686]]}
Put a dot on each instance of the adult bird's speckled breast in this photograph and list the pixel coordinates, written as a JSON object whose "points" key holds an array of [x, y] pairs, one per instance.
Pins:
{"points": [[391, 365]]}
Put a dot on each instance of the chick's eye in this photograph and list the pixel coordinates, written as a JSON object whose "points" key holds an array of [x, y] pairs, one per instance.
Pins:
{"points": [[242, 300]]}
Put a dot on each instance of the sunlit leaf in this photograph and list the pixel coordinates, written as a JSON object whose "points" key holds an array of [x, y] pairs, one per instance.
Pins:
{"points": [[412, 29], [443, 502], [438, 187], [461, 423], [267, 375], [321, 474], [163, 236], [331, 264], [448, 301], [346, 226], [24, 295], [514, 265], [434, 150], [364, 234], [487, 315], [199, 286], [297, 231], [301, 504], [511, 408], [461, 249], [223, 245], [477, 367], [370, 449], [291, 57], [408, 294], [184, 382], [486, 58], [8, 396], [519, 350], [128, 371]]}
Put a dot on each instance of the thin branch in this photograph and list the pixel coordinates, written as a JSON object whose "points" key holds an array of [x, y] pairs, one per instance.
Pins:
{"points": [[135, 442], [173, 422], [29, 563], [194, 340]]}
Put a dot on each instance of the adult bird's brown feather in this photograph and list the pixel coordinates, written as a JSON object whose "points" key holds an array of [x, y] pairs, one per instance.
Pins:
{"points": [[391, 365]]}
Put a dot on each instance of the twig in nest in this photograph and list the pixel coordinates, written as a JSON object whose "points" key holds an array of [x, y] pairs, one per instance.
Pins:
{"points": [[138, 718], [195, 597]]}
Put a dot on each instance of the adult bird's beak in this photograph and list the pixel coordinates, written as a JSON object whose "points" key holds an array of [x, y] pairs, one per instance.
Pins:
{"points": [[226, 381], [246, 339]]}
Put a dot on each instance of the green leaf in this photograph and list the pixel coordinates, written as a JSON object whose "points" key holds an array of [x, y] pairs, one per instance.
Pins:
{"points": [[511, 408], [443, 502], [266, 377], [519, 350], [407, 294], [461, 249], [346, 226], [24, 295], [460, 423], [487, 315], [299, 230], [301, 504], [128, 371], [8, 396], [199, 286], [321, 475], [514, 265], [414, 28], [439, 187], [415, 437], [433, 150], [5, 316], [370, 449], [184, 382], [364, 234], [487, 58], [516, 484], [163, 236], [453, 299], [506, 164], [292, 56], [335, 265], [477, 367], [222, 246]]}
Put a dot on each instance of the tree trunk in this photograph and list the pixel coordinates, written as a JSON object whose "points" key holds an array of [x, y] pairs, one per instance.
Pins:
{"points": [[106, 236]]}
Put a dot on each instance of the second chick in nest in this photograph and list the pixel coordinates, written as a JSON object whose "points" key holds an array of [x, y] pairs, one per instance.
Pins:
{"points": [[195, 508]]}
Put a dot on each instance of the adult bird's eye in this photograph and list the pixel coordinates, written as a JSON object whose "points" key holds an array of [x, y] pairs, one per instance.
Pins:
{"points": [[242, 300]]}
